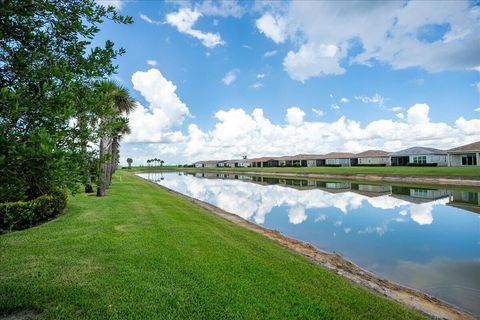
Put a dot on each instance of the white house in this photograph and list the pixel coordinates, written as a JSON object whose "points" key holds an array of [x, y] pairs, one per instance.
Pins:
{"points": [[467, 155], [208, 163], [419, 155]]}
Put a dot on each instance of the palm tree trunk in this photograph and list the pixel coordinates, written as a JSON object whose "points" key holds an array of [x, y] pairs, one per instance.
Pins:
{"points": [[105, 144], [113, 159]]}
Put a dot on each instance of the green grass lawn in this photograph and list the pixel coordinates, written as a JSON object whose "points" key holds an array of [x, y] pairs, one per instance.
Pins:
{"points": [[473, 172], [143, 253]]}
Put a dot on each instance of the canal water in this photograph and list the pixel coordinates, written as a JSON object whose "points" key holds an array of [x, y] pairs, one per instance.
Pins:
{"points": [[424, 238]]}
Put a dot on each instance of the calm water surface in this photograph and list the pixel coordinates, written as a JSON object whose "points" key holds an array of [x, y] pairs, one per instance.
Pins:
{"points": [[427, 239]]}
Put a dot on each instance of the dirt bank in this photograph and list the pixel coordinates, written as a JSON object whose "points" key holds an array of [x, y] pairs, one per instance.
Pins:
{"points": [[422, 302]]}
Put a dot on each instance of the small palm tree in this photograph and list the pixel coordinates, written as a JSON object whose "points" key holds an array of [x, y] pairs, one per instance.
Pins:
{"points": [[129, 161]]}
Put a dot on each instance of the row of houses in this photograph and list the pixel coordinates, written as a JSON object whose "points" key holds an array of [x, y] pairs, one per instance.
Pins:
{"points": [[466, 155]]}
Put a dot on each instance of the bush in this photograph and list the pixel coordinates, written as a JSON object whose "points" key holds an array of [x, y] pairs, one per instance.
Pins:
{"points": [[422, 164], [25, 214], [332, 165]]}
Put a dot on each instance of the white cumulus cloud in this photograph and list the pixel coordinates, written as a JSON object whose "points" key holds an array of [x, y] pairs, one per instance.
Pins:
{"points": [[184, 20], [165, 109], [313, 60], [295, 116], [272, 27]]}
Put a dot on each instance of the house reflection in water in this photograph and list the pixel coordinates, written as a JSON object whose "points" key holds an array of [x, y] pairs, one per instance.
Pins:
{"points": [[466, 200], [417, 195]]}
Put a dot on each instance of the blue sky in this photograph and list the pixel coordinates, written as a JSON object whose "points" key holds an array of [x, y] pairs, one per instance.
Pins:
{"points": [[224, 79]]}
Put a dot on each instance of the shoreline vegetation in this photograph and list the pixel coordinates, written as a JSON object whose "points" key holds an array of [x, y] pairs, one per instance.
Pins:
{"points": [[145, 252]]}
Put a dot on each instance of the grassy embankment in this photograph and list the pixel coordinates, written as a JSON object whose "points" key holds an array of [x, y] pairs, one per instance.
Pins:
{"points": [[472, 172], [144, 253]]}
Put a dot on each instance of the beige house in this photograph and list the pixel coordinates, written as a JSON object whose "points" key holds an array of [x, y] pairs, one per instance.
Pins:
{"points": [[467, 155], [371, 157]]}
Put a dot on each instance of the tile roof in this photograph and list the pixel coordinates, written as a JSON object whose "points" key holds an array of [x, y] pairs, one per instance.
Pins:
{"points": [[337, 155], [210, 161], [372, 154], [417, 150], [261, 159], [468, 147]]}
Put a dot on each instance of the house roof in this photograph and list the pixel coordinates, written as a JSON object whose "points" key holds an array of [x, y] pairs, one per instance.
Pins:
{"points": [[300, 157], [337, 155], [261, 159], [417, 150], [372, 154], [309, 156], [210, 161], [468, 147]]}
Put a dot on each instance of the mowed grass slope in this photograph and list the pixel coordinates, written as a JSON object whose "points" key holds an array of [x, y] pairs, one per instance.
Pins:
{"points": [[471, 172], [143, 253]]}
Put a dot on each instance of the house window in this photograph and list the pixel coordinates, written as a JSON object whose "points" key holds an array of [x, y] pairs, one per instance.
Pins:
{"points": [[420, 159], [469, 160]]}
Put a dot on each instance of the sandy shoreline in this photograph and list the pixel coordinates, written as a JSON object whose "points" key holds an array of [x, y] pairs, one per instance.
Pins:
{"points": [[422, 302]]}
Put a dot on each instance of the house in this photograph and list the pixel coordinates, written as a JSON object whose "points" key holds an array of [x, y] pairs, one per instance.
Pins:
{"points": [[335, 158], [467, 155], [311, 160], [419, 155], [285, 161], [371, 157], [264, 162], [208, 163], [222, 163], [238, 163]]}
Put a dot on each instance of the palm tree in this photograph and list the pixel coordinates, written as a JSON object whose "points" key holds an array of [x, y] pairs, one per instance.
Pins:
{"points": [[121, 129], [129, 161], [162, 162], [116, 101]]}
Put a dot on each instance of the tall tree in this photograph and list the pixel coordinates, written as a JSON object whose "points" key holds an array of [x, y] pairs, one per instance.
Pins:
{"points": [[115, 102], [47, 60]]}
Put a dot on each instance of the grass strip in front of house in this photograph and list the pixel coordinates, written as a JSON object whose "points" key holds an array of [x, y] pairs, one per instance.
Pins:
{"points": [[144, 253]]}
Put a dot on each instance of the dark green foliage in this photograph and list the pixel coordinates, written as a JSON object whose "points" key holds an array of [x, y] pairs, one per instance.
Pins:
{"points": [[332, 165], [370, 165], [48, 68], [24, 214]]}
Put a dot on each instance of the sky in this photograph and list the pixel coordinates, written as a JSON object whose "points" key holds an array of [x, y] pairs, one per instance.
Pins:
{"points": [[227, 79]]}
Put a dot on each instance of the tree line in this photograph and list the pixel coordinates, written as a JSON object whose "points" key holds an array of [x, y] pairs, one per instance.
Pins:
{"points": [[61, 117]]}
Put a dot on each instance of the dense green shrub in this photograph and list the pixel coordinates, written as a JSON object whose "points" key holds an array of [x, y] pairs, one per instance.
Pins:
{"points": [[332, 165], [24, 214], [422, 164]]}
